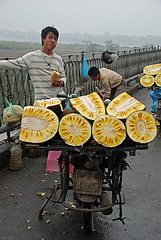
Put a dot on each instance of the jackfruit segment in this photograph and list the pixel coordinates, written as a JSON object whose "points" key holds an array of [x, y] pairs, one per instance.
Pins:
{"points": [[158, 80], [152, 69], [123, 105], [147, 80], [141, 127], [53, 104], [54, 76], [108, 131], [47, 102], [38, 124], [74, 129], [90, 106]]}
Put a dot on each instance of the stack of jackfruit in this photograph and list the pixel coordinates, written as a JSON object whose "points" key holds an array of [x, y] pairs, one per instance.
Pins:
{"points": [[151, 75], [90, 119]]}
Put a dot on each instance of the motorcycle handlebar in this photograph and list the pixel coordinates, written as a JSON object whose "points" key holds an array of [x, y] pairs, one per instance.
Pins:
{"points": [[63, 95]]}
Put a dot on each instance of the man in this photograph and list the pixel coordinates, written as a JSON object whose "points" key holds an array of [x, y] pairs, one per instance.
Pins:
{"points": [[40, 64], [112, 82]]}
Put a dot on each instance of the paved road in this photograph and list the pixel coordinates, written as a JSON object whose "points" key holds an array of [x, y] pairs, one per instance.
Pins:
{"points": [[19, 203]]}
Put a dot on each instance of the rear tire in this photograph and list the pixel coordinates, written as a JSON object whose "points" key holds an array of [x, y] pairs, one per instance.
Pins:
{"points": [[88, 219]]}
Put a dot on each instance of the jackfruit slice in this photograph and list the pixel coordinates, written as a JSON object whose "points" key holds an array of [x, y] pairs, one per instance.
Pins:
{"points": [[158, 80], [53, 104], [141, 127], [74, 129], [147, 80], [152, 69], [90, 106], [54, 76], [123, 105], [38, 124], [108, 131]]}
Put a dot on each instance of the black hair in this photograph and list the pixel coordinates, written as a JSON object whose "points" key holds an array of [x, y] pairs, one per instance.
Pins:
{"points": [[48, 29], [93, 71]]}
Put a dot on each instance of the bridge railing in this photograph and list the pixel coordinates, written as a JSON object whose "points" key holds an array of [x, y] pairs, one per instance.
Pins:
{"points": [[16, 86]]}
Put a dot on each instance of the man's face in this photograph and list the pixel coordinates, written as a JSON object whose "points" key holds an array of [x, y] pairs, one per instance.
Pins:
{"points": [[50, 41], [95, 77]]}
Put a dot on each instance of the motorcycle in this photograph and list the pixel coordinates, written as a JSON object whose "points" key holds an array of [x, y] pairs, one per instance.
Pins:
{"points": [[96, 179]]}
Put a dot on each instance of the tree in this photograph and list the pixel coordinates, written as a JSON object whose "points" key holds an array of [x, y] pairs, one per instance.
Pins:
{"points": [[111, 46], [147, 45], [86, 42], [92, 48]]}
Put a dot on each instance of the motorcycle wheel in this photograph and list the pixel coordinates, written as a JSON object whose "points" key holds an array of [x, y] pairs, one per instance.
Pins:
{"points": [[88, 219]]}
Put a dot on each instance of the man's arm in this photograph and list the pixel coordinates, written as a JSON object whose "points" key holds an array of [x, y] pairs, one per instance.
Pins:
{"points": [[107, 88], [13, 64]]}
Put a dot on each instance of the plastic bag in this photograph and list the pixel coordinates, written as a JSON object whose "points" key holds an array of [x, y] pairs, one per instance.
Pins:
{"points": [[12, 114], [85, 68], [156, 94], [109, 57]]}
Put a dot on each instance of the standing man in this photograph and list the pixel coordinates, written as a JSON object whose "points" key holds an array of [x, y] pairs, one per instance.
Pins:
{"points": [[40, 64], [112, 82]]}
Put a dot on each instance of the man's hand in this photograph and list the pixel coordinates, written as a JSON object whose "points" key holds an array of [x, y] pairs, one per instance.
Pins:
{"points": [[104, 98], [57, 83]]}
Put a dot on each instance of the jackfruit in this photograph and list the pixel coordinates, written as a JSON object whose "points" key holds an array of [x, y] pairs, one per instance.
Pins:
{"points": [[108, 131], [90, 106], [38, 124], [158, 80], [147, 80], [152, 69], [123, 105], [54, 76], [74, 129], [141, 127], [53, 104]]}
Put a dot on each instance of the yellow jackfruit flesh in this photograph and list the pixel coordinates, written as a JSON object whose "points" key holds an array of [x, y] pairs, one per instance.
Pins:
{"points": [[74, 129], [158, 80], [123, 105], [152, 69], [147, 80], [141, 127], [108, 131], [90, 106], [38, 124], [54, 76], [53, 104]]}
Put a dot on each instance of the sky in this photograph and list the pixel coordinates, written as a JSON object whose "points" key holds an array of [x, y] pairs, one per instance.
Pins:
{"points": [[123, 17]]}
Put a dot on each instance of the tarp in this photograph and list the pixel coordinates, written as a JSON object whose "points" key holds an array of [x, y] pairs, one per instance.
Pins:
{"points": [[156, 94]]}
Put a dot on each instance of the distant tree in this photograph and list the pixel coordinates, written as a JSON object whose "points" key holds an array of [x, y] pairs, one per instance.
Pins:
{"points": [[92, 48], [111, 46], [86, 42], [147, 45]]}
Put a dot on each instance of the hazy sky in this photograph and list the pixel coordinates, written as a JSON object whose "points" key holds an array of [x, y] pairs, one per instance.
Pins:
{"points": [[127, 17]]}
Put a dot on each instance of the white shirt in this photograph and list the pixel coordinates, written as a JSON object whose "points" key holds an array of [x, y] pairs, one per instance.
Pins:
{"points": [[37, 65]]}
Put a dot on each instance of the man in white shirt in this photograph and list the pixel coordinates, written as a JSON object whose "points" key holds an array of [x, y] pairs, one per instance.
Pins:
{"points": [[40, 64]]}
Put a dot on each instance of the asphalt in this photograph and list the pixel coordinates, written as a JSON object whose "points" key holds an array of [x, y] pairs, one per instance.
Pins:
{"points": [[20, 203]]}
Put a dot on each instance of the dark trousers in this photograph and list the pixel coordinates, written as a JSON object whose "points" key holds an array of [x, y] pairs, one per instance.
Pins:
{"points": [[118, 89]]}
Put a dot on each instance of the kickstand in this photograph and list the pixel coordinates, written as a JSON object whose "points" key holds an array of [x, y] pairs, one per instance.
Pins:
{"points": [[52, 191]]}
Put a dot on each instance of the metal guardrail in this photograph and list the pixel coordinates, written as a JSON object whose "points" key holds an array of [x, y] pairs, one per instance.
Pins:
{"points": [[16, 86]]}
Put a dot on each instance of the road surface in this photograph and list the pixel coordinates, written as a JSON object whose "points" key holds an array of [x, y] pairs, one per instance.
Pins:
{"points": [[19, 203]]}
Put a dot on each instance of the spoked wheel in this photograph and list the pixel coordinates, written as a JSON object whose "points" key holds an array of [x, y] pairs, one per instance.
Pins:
{"points": [[88, 219]]}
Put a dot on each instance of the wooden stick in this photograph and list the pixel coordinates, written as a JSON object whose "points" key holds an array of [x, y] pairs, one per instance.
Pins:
{"points": [[99, 92]]}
